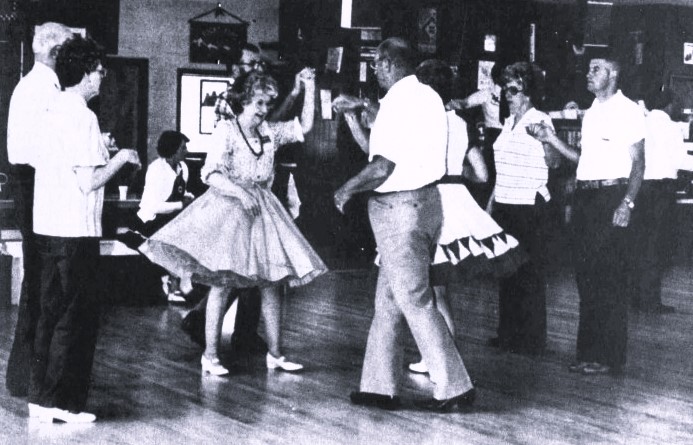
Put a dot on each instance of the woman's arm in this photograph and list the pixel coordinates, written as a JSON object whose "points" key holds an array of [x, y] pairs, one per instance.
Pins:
{"points": [[229, 188], [307, 76], [475, 168], [554, 147]]}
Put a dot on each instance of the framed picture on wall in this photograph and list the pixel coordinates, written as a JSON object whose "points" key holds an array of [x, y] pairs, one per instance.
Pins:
{"points": [[198, 91], [427, 30], [216, 42]]}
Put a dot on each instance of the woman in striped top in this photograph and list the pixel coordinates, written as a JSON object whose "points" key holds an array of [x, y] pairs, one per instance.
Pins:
{"points": [[519, 206]]}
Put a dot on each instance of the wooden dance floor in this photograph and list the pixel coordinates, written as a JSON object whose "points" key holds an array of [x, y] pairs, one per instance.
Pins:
{"points": [[147, 387]]}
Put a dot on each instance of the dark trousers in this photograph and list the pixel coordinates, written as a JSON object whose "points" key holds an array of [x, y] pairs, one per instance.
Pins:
{"points": [[652, 241], [522, 296], [17, 377], [68, 322], [602, 266]]}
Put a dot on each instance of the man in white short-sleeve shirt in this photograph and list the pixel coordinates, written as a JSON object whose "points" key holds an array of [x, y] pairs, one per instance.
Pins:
{"points": [[407, 156], [29, 99], [609, 176]]}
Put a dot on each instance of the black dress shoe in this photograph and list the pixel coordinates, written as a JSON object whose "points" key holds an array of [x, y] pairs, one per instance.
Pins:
{"points": [[377, 400], [463, 402], [194, 325]]}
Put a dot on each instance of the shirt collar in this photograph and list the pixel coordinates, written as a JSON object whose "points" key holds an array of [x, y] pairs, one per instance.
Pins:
{"points": [[45, 71]]}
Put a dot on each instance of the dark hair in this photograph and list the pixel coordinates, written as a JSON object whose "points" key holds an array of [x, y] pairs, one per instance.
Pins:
{"points": [[246, 85], [169, 143], [496, 72], [399, 51], [77, 56], [233, 56], [438, 75], [659, 98], [530, 76]]}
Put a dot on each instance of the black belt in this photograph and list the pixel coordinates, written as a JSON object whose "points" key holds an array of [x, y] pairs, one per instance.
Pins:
{"points": [[601, 183]]}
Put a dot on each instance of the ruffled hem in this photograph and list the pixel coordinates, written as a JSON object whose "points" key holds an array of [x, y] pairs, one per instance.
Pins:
{"points": [[214, 241]]}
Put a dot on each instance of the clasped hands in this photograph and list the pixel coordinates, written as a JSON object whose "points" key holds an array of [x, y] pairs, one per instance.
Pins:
{"points": [[304, 78]]}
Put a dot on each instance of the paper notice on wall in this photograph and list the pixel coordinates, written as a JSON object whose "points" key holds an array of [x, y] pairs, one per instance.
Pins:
{"points": [[363, 71], [688, 53], [326, 104]]}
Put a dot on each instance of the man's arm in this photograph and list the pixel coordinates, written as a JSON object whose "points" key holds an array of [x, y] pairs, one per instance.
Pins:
{"points": [[371, 177], [90, 178], [622, 213]]}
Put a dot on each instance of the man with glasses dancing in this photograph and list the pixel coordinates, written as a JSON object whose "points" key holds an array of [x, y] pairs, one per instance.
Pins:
{"points": [[407, 156]]}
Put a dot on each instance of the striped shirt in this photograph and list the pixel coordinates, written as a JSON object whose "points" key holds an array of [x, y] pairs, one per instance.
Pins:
{"points": [[521, 170]]}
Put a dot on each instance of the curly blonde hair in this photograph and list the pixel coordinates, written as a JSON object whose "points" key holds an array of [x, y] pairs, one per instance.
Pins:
{"points": [[248, 85]]}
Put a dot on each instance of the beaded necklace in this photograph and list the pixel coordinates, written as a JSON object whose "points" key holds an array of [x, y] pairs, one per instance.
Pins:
{"points": [[250, 147]]}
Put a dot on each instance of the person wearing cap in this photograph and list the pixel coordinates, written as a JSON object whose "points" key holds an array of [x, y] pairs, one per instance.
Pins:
{"points": [[30, 97]]}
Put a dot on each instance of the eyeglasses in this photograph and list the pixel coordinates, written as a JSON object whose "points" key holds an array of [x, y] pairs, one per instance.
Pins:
{"points": [[512, 90], [374, 63], [103, 72], [254, 64]]}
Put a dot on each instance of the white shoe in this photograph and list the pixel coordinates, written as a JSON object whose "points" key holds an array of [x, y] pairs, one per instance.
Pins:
{"points": [[282, 363], [213, 367], [176, 297], [418, 368], [38, 411], [47, 415]]}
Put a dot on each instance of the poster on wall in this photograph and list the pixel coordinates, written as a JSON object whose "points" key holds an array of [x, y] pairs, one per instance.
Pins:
{"points": [[198, 91], [688, 53], [427, 30], [216, 42], [483, 77]]}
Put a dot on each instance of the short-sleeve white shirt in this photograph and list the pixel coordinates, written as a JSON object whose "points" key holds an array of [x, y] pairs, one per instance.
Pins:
{"points": [[609, 128], [521, 170], [30, 98], [70, 138], [411, 131], [664, 148]]}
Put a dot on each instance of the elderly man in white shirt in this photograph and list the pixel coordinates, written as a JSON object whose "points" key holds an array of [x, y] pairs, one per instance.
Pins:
{"points": [[407, 156], [30, 98]]}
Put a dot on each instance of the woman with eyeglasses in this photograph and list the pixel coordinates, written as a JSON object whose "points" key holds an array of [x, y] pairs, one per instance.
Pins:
{"points": [[519, 206]]}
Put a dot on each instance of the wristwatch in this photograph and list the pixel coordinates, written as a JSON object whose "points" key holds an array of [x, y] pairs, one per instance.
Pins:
{"points": [[629, 203]]}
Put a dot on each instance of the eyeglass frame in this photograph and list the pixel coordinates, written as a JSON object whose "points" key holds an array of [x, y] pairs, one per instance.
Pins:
{"points": [[513, 90], [374, 63], [255, 63]]}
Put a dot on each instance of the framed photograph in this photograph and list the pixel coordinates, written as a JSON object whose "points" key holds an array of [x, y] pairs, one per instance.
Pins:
{"points": [[682, 89], [198, 91], [216, 42], [427, 31], [688, 53]]}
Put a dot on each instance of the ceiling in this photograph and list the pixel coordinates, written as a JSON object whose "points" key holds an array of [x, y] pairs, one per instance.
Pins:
{"points": [[629, 2]]}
